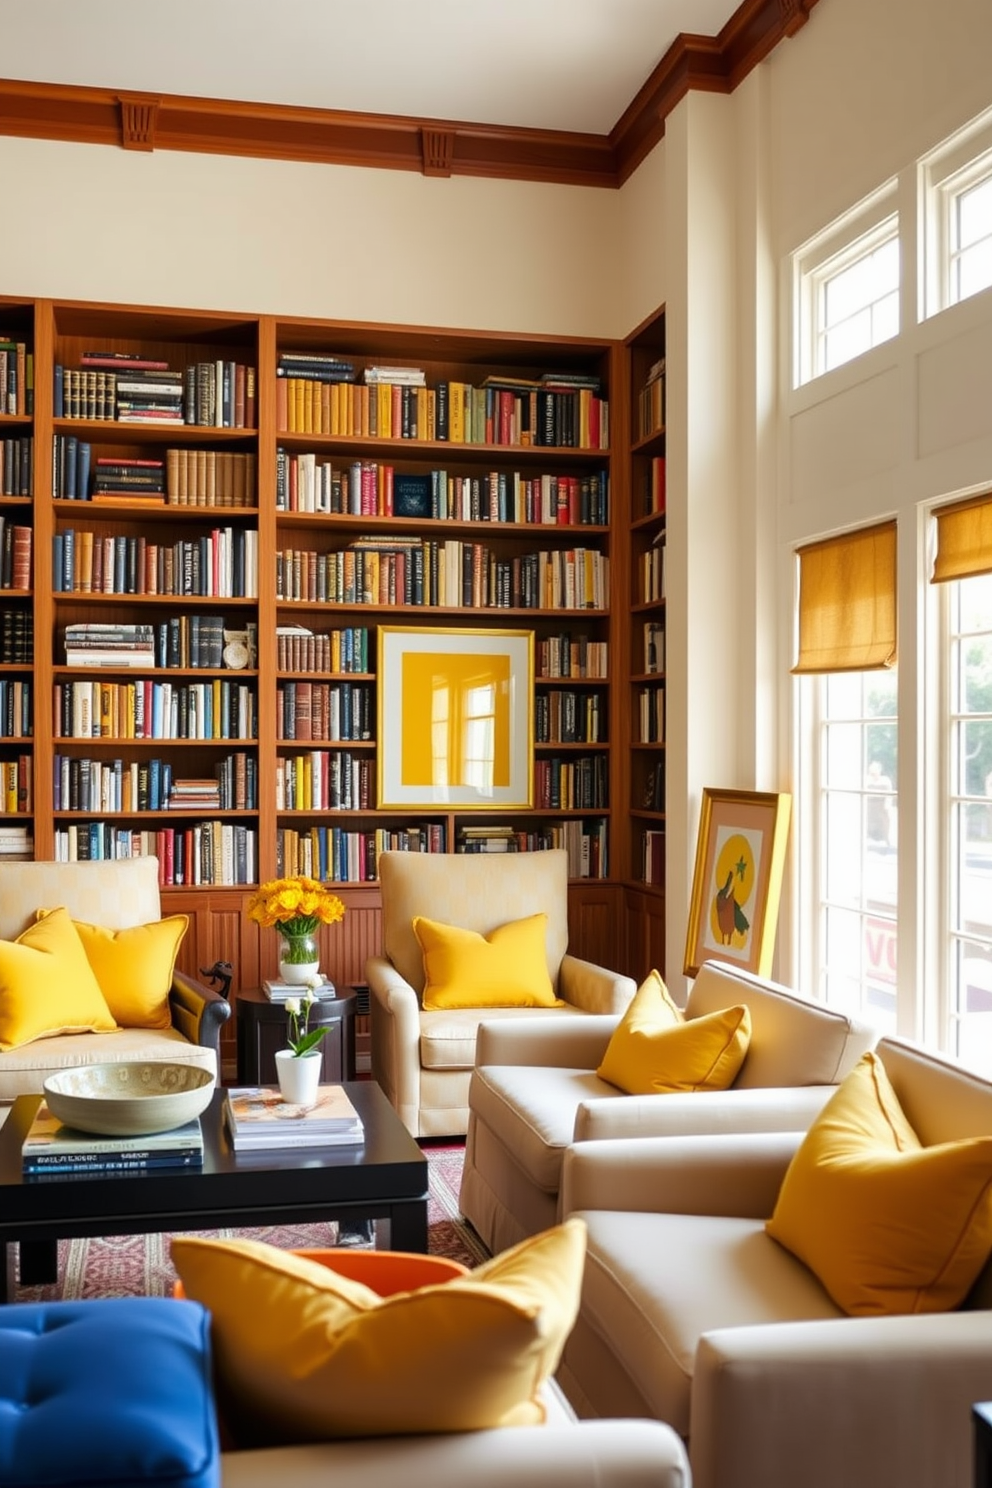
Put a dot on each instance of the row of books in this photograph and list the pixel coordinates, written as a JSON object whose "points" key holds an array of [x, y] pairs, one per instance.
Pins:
{"points": [[565, 417], [337, 855], [15, 708], [121, 786], [16, 377], [220, 564], [16, 788], [154, 710], [562, 716], [342, 711], [653, 855], [569, 655], [186, 477], [16, 634], [653, 574], [651, 401], [653, 494], [453, 574], [308, 483], [17, 465], [16, 545], [571, 784], [654, 786], [299, 649], [584, 843], [324, 780], [16, 843], [203, 854], [651, 715], [117, 387]]}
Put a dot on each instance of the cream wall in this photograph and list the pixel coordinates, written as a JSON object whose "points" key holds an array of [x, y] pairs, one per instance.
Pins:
{"points": [[286, 238]]}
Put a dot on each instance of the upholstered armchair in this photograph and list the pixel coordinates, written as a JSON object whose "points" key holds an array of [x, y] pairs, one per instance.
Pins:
{"points": [[692, 1313], [423, 1059], [535, 1091], [116, 895]]}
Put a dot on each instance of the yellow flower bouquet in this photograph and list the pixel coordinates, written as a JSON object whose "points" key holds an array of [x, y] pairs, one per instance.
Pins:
{"points": [[295, 906]]}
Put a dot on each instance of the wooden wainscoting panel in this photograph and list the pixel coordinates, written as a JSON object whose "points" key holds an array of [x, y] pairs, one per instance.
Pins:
{"points": [[593, 916], [644, 941]]}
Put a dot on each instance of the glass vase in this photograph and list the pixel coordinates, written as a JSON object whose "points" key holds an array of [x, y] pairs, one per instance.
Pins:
{"points": [[299, 958]]}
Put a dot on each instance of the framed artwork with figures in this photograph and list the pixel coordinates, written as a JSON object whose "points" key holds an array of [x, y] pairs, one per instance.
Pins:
{"points": [[737, 882]]}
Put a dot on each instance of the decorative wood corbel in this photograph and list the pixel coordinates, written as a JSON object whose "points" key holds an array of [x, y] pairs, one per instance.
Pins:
{"points": [[139, 116], [795, 14], [438, 148]]}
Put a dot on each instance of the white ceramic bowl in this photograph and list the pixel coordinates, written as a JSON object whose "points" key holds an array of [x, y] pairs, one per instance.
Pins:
{"points": [[129, 1100]]}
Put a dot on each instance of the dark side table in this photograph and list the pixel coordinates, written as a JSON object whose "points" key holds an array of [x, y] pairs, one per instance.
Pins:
{"points": [[262, 1028]]}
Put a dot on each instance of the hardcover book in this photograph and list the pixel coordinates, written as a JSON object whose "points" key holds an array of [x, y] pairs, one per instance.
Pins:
{"points": [[258, 1118], [50, 1144]]}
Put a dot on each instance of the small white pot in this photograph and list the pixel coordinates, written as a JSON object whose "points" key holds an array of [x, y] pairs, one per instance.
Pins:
{"points": [[299, 1077]]}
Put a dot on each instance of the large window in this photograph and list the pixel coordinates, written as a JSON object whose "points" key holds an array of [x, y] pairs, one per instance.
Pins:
{"points": [[957, 180], [855, 799]]}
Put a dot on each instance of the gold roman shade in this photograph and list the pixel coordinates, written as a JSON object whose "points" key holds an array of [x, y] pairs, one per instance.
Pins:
{"points": [[847, 602], [964, 540]]}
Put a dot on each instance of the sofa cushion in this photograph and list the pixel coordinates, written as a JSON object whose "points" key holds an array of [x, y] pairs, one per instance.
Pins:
{"points": [[506, 968], [888, 1225], [304, 1353], [116, 1392], [47, 986], [134, 967], [655, 1283], [655, 1051]]}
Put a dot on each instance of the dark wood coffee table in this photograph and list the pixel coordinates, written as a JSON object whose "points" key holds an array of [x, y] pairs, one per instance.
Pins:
{"points": [[385, 1179]]}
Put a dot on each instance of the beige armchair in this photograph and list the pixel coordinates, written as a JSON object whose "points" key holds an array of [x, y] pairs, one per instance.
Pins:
{"points": [[423, 1060], [692, 1314], [535, 1090], [116, 894]]}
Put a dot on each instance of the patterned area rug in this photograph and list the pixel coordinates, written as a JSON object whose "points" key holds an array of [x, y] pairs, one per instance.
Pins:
{"points": [[139, 1265]]}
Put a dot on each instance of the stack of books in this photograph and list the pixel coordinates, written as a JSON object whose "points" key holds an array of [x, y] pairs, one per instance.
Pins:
{"points": [[194, 795], [487, 839], [258, 1118], [98, 644], [128, 480], [16, 844], [277, 991], [50, 1148]]}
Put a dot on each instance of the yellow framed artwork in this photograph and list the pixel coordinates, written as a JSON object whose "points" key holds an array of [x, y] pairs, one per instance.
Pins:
{"points": [[455, 717], [737, 883]]}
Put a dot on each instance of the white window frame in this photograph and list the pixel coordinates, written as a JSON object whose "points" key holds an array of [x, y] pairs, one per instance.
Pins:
{"points": [[955, 166], [869, 225]]}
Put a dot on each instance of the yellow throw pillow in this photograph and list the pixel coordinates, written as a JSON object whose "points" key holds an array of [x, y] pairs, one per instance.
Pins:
{"points": [[887, 1225], [656, 1051], [47, 986], [507, 968], [303, 1354], [134, 967]]}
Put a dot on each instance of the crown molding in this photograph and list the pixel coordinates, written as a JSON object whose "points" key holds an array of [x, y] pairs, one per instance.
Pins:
{"points": [[435, 147]]}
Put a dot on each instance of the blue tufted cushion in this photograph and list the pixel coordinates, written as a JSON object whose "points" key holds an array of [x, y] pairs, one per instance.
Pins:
{"points": [[115, 1393]]}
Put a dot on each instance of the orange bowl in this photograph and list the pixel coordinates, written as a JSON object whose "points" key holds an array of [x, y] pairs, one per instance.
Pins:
{"points": [[383, 1271]]}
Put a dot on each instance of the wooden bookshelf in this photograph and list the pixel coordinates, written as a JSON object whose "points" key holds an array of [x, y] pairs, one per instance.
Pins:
{"points": [[645, 777], [514, 505]]}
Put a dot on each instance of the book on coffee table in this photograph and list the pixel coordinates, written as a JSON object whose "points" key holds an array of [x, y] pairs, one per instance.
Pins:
{"points": [[258, 1118], [51, 1146]]}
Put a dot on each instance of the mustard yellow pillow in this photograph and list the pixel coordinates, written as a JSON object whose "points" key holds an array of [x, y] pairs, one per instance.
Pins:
{"points": [[887, 1225], [134, 967], [507, 968], [302, 1354], [656, 1051], [47, 986]]}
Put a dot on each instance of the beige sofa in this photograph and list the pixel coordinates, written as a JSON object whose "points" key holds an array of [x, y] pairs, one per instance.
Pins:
{"points": [[423, 1060], [692, 1314], [116, 894], [535, 1091]]}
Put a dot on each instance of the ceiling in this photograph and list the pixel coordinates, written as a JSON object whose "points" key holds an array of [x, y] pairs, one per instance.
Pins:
{"points": [[570, 65]]}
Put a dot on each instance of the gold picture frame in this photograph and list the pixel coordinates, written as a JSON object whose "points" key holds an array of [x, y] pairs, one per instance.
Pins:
{"points": [[737, 882], [455, 717]]}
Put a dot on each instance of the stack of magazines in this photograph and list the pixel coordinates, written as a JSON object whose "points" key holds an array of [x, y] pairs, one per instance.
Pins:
{"points": [[277, 991], [258, 1118], [53, 1148]]}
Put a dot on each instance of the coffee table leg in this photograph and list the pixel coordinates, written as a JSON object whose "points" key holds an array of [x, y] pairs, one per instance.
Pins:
{"points": [[408, 1227], [39, 1262]]}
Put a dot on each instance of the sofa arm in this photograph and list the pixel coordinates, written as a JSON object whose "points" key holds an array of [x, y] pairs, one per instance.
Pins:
{"points": [[700, 1112], [395, 1022], [551, 1043], [592, 988], [860, 1401], [198, 1012], [587, 1454], [735, 1174]]}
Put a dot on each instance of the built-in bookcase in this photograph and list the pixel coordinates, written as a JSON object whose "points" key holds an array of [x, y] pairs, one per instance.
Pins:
{"points": [[218, 528]]}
